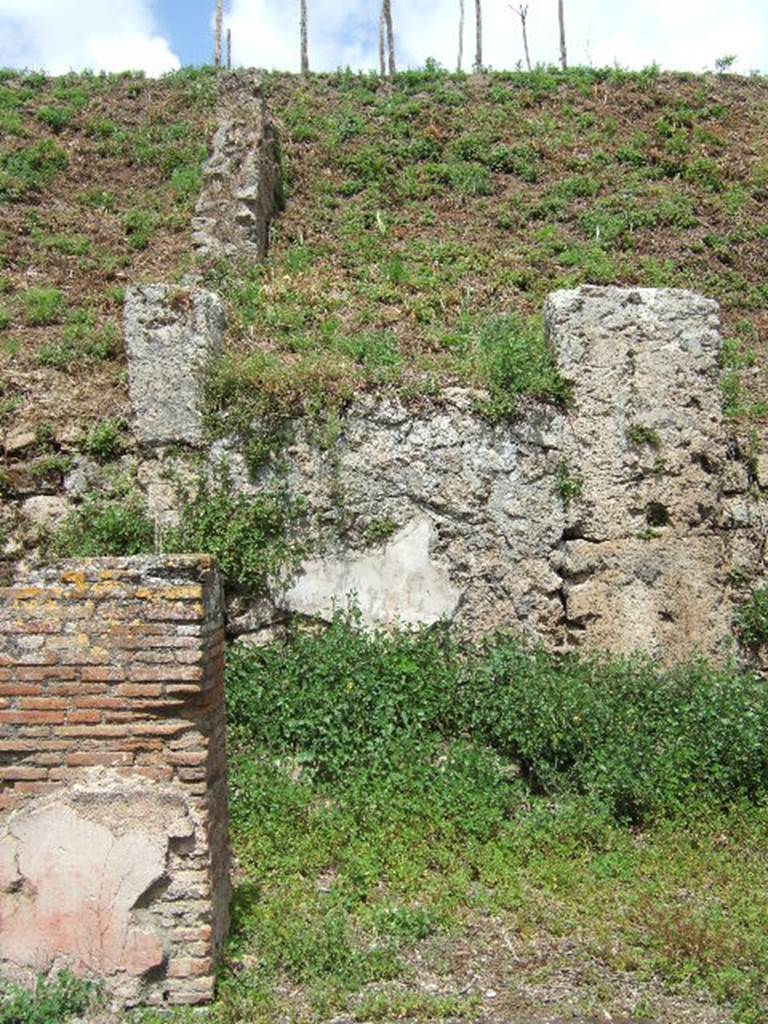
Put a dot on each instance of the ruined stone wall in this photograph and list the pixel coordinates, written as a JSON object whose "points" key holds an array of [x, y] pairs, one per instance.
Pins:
{"points": [[113, 806], [241, 179], [625, 521]]}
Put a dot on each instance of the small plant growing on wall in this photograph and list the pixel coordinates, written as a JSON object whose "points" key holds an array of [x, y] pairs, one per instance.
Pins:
{"points": [[752, 620], [640, 435], [569, 483]]}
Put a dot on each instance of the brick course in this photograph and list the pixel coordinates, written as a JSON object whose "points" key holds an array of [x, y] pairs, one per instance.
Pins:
{"points": [[116, 666]]}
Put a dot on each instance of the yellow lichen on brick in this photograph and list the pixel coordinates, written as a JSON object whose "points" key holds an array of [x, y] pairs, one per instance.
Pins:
{"points": [[191, 592], [34, 593], [107, 588], [77, 581]]}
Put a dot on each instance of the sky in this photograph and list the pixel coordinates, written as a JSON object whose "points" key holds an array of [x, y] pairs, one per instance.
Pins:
{"points": [[161, 35]]}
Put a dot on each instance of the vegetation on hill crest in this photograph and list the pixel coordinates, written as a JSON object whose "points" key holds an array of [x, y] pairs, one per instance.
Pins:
{"points": [[424, 225]]}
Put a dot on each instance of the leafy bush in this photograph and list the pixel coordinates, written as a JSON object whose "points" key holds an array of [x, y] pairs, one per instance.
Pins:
{"points": [[51, 1002], [247, 535], [752, 620], [105, 525], [639, 740]]}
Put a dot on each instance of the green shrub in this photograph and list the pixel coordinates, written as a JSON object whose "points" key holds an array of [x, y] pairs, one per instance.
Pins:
{"points": [[638, 740], [105, 440], [55, 118], [50, 1002], [752, 620], [247, 535], [105, 525]]}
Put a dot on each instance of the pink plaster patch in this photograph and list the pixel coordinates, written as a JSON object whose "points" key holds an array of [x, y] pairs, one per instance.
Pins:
{"points": [[68, 886]]}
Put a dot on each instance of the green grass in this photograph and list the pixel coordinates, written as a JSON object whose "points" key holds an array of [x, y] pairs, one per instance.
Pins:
{"points": [[388, 792], [31, 169], [418, 220], [82, 341]]}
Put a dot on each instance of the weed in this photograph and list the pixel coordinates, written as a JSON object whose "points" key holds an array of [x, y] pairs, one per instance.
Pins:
{"points": [[29, 169], [140, 226], [50, 1002], [641, 435], [106, 439], [44, 306], [379, 530], [569, 484], [82, 341], [247, 535], [55, 118], [5, 319], [511, 358], [105, 525], [752, 620]]}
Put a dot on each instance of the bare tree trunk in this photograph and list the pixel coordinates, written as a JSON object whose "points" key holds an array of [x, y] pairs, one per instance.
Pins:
{"points": [[229, 49], [478, 35], [563, 51], [525, 40], [392, 68], [217, 33], [382, 44], [304, 41], [460, 63], [522, 13]]}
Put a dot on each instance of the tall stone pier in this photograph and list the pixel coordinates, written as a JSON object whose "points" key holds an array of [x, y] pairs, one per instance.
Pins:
{"points": [[114, 858]]}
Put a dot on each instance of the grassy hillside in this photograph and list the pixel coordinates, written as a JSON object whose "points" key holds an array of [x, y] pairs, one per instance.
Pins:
{"points": [[98, 177], [418, 220], [423, 227]]}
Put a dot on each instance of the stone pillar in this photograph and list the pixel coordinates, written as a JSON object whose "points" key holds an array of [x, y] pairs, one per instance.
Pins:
{"points": [[113, 807], [643, 560], [170, 335]]}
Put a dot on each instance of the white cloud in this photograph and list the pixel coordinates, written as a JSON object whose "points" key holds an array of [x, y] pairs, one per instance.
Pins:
{"points": [[63, 35], [679, 34]]}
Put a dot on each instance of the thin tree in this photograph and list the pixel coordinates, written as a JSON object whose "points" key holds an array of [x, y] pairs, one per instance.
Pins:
{"points": [[217, 33], [382, 43], [391, 69], [563, 51], [460, 63], [522, 12], [478, 35], [229, 49], [304, 40]]}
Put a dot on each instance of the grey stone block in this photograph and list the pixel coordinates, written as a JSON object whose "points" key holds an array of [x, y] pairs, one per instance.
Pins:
{"points": [[170, 336]]}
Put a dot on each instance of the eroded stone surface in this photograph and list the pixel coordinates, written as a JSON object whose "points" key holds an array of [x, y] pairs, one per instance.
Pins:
{"points": [[241, 178], [644, 559], [170, 335], [618, 522]]}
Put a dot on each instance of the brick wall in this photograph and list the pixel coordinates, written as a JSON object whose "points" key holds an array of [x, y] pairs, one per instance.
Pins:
{"points": [[113, 808]]}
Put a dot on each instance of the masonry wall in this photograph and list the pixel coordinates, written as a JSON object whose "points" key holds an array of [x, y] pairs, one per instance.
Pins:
{"points": [[113, 808]]}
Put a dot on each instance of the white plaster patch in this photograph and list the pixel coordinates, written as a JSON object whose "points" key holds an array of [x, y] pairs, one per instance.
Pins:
{"points": [[399, 583]]}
